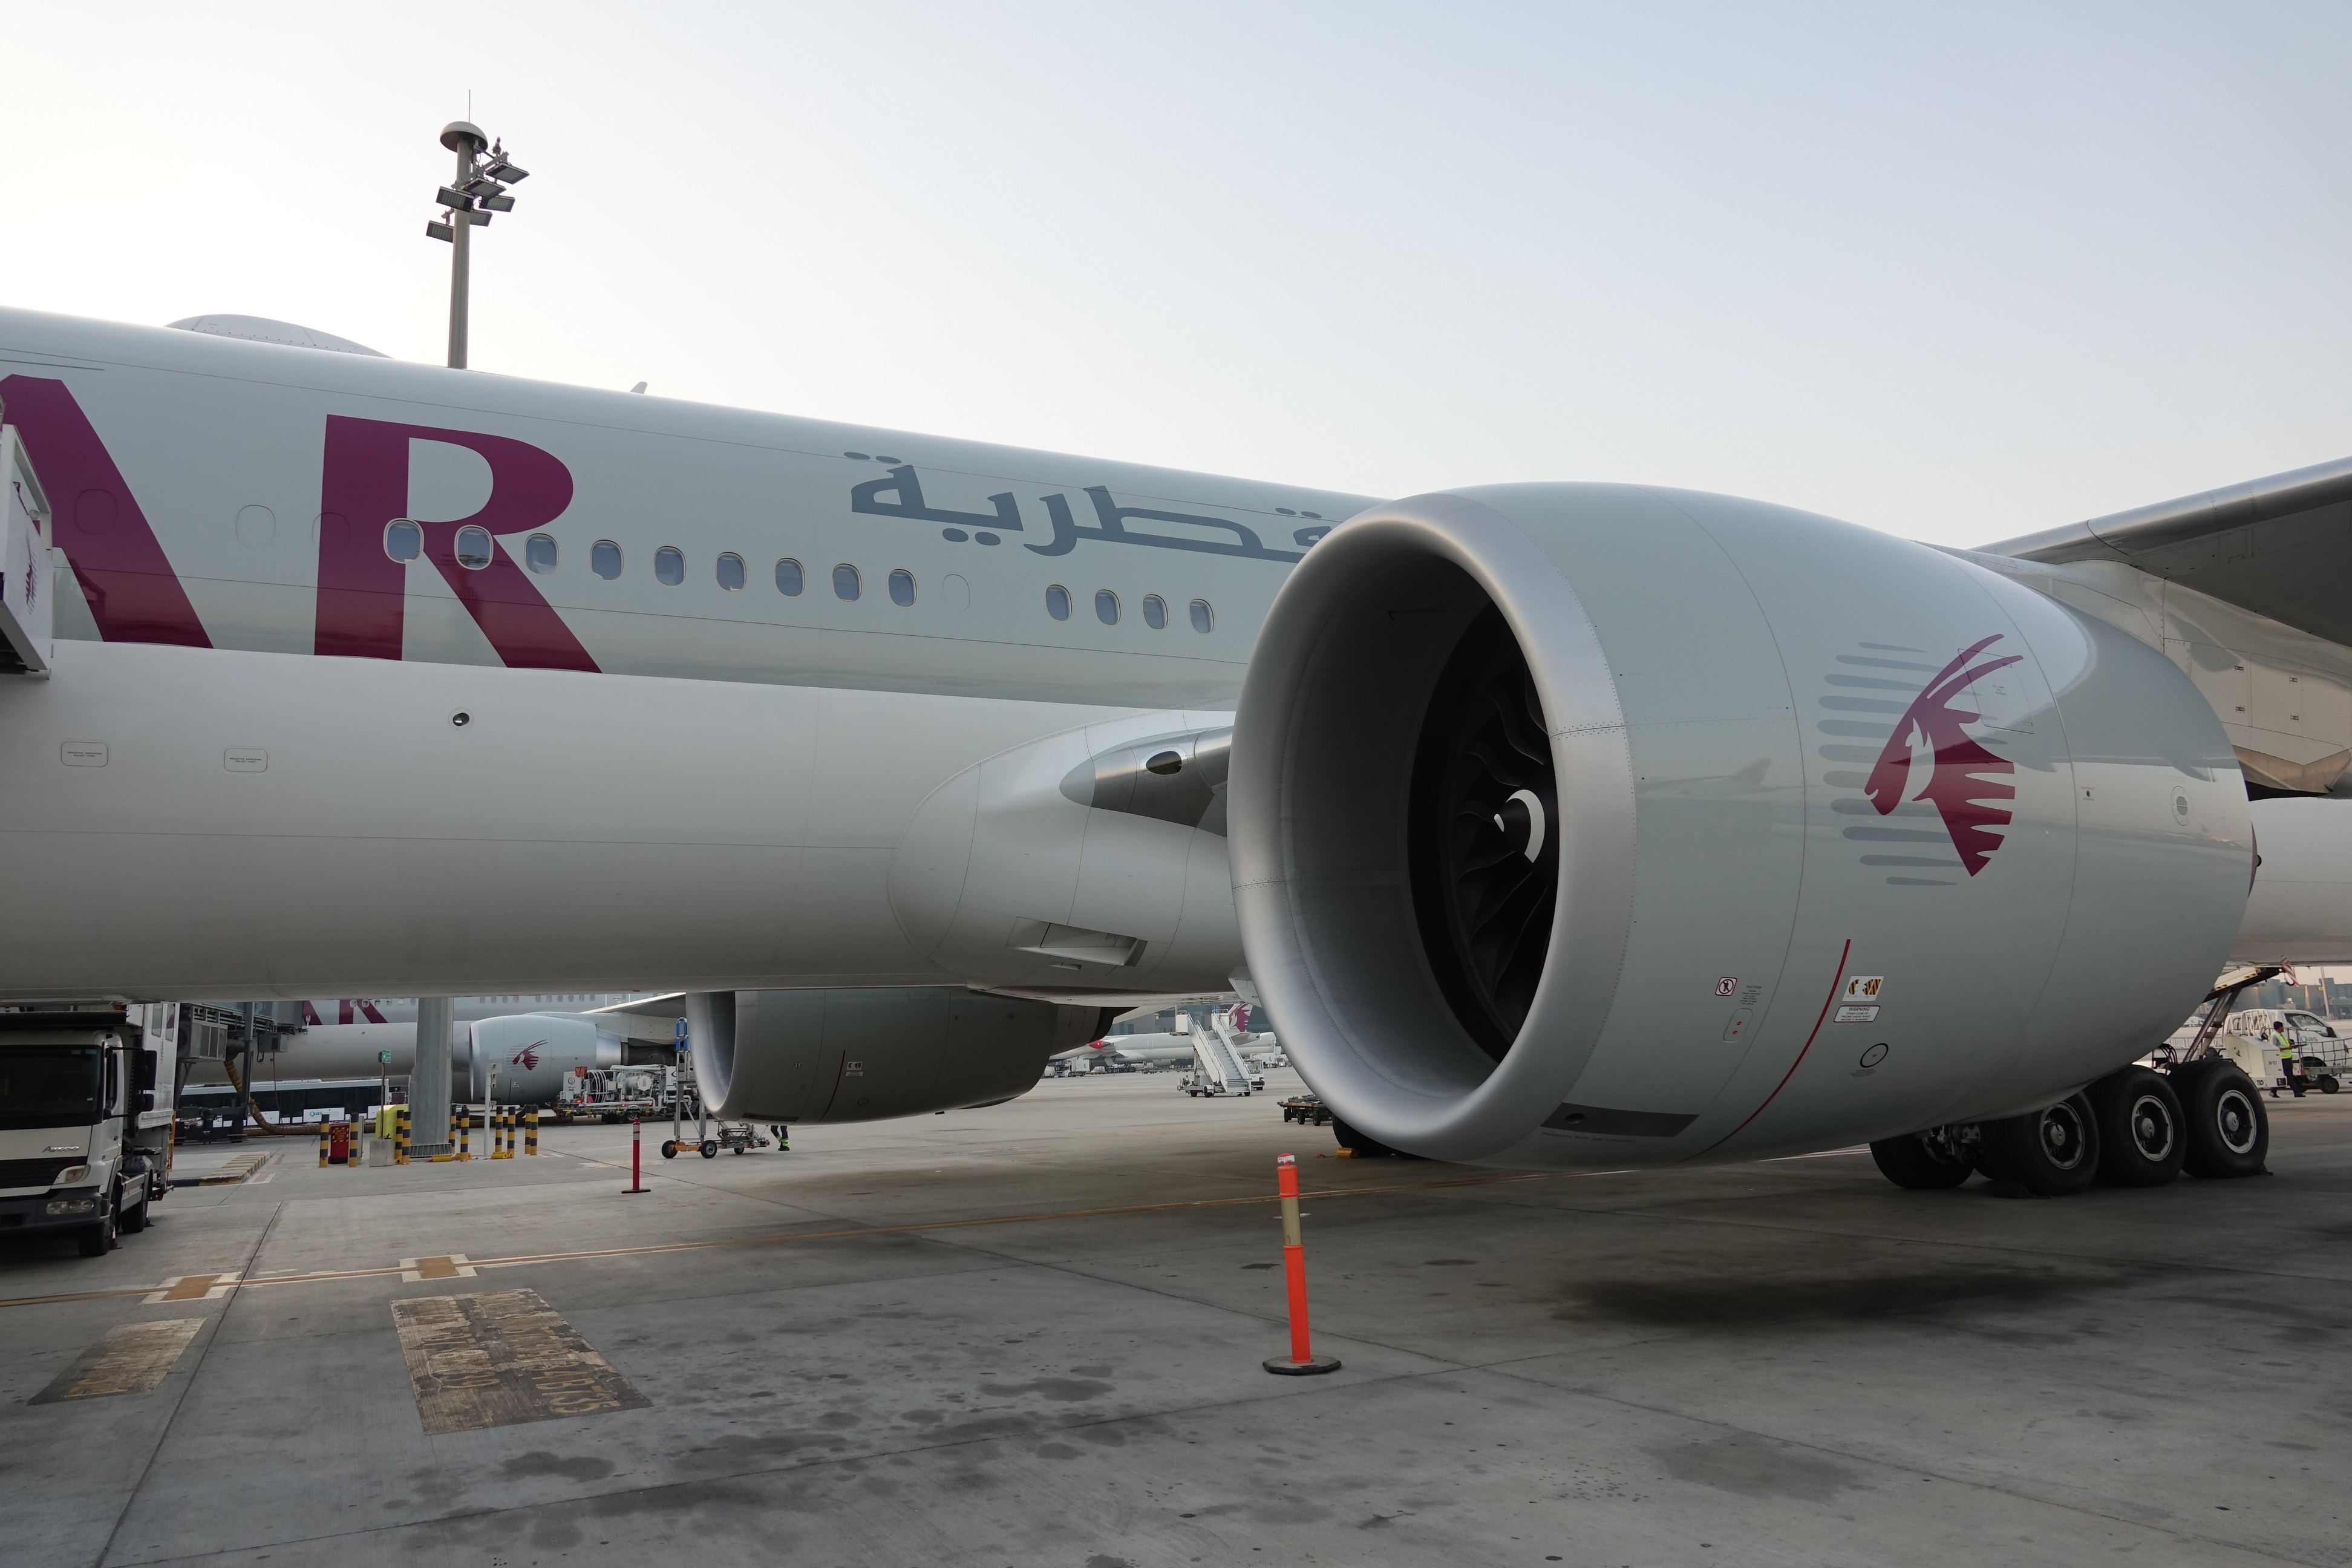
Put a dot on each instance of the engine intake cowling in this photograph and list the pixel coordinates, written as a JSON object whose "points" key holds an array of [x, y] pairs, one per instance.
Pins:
{"points": [[1580, 824]]}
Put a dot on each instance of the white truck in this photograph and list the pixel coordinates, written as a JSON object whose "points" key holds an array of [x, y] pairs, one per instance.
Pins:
{"points": [[84, 1149]]}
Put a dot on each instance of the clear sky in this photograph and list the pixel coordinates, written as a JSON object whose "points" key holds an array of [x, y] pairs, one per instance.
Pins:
{"points": [[1958, 272]]}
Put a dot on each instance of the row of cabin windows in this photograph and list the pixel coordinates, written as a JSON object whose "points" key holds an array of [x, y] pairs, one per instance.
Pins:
{"points": [[405, 540], [1107, 609]]}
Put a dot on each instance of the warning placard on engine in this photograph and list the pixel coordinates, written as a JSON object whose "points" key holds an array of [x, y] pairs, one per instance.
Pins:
{"points": [[500, 1359]]}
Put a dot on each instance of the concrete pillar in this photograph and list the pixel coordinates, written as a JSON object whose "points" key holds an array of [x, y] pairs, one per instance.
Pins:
{"points": [[429, 1079]]}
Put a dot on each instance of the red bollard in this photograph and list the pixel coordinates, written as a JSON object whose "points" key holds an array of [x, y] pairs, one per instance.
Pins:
{"points": [[636, 1166], [1302, 1362]]}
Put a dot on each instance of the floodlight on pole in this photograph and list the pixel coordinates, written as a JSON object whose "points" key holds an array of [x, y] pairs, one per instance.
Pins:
{"points": [[472, 197]]}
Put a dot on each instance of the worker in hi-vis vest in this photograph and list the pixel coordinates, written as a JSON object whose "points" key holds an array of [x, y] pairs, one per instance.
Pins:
{"points": [[2287, 1064]]}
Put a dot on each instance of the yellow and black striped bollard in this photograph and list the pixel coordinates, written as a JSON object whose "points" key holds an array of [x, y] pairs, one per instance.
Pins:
{"points": [[323, 1126], [531, 1133], [400, 1135]]}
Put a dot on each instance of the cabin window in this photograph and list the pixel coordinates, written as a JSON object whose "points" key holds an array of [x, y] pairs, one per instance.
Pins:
{"points": [[902, 587], [1057, 602], [604, 558], [402, 539], [846, 584], [1107, 607], [669, 566], [731, 572], [1155, 612], [473, 548], [1203, 618], [790, 579], [539, 552]]}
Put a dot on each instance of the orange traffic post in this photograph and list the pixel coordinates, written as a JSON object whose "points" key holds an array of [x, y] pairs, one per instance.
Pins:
{"points": [[1302, 1362]]}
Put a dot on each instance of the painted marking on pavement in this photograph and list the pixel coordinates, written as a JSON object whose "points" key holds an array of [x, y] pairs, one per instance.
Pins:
{"points": [[416, 1270], [188, 1287], [501, 1359], [130, 1359], [312, 1277]]}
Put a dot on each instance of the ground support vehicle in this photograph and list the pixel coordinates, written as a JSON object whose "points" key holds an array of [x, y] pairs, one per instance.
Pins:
{"points": [[1307, 1111], [2322, 1058], [83, 1148], [615, 1094]]}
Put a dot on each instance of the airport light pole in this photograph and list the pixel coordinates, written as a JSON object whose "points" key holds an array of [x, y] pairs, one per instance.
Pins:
{"points": [[479, 191]]}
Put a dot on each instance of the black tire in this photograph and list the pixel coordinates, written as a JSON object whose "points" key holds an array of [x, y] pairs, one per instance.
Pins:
{"points": [[134, 1220], [94, 1240], [669, 1149], [2328, 1083], [1920, 1163], [709, 1149], [2143, 1133], [1366, 1148], [2229, 1129], [2050, 1153]]}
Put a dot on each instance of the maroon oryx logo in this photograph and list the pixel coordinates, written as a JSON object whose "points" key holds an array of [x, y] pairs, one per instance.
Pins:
{"points": [[1954, 761], [527, 1058]]}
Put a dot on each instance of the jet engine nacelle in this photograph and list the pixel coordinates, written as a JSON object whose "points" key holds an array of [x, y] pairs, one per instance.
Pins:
{"points": [[533, 1054], [1584, 824], [806, 1056]]}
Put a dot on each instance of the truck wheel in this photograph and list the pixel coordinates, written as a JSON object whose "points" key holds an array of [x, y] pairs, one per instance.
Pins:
{"points": [[2049, 1152], [134, 1220], [2328, 1084], [2143, 1136], [1921, 1163], [95, 1240], [2229, 1129]]}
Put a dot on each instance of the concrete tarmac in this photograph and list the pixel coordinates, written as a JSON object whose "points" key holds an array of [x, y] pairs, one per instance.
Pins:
{"points": [[1031, 1335]]}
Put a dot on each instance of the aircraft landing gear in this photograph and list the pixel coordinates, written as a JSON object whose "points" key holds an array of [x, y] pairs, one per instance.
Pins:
{"points": [[1923, 1162], [2143, 1136], [2049, 1152], [2228, 1132]]}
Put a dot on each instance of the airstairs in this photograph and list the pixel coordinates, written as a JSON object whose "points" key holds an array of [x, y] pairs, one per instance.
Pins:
{"points": [[1217, 1054]]}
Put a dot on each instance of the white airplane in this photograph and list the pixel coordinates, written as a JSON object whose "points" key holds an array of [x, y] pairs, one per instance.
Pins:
{"points": [[1562, 824], [1175, 1045], [520, 1046]]}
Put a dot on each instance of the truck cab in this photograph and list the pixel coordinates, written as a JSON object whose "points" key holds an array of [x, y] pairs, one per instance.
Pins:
{"points": [[82, 1148]]}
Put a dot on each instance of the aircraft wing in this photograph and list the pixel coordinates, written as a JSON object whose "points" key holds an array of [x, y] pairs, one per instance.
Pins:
{"points": [[2280, 546], [669, 1005]]}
